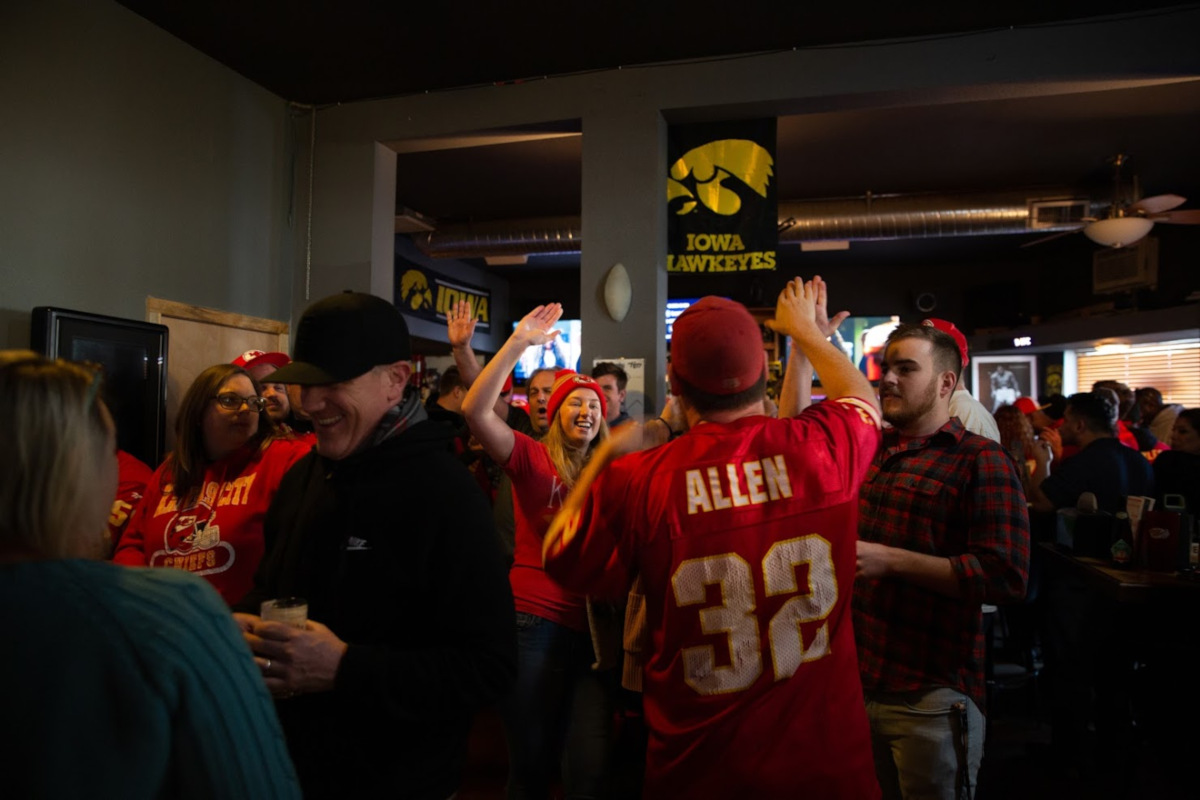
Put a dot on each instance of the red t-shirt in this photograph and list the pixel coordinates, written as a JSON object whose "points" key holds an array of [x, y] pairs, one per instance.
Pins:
{"points": [[538, 493], [744, 535], [219, 536]]}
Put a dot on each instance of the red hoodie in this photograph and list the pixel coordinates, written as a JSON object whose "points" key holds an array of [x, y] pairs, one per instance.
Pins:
{"points": [[218, 535]]}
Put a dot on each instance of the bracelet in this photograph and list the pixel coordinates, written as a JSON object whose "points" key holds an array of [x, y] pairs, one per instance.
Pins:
{"points": [[670, 431]]}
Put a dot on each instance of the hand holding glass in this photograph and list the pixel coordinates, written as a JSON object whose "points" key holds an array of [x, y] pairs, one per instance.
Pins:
{"points": [[288, 610]]}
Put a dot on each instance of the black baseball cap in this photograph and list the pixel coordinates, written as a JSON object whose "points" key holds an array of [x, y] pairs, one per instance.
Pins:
{"points": [[344, 336]]}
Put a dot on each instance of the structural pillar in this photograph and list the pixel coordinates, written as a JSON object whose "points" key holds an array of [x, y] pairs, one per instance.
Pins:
{"points": [[625, 221]]}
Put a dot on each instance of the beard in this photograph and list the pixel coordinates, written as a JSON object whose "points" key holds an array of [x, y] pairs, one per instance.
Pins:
{"points": [[909, 410]]}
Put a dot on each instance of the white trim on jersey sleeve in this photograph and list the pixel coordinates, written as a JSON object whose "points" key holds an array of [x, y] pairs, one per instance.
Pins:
{"points": [[868, 412]]}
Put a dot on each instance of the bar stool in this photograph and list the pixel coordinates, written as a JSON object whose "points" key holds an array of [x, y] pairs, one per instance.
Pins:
{"points": [[1013, 665]]}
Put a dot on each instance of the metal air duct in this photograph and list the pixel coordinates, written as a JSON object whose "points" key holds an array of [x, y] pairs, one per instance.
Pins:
{"points": [[867, 218], [541, 236]]}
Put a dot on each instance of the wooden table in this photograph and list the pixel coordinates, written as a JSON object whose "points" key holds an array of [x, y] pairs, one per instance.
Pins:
{"points": [[1121, 645], [1121, 584]]}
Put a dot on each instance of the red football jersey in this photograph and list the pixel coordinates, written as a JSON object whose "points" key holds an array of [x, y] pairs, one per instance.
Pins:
{"points": [[744, 534], [132, 476]]}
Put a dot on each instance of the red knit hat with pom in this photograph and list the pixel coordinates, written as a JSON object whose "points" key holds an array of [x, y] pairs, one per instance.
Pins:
{"points": [[567, 381]]}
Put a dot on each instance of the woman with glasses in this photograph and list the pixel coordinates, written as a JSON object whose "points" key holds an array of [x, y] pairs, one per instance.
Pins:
{"points": [[203, 509], [114, 682]]}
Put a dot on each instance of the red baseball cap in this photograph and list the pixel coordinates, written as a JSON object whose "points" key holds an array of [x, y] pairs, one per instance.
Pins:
{"points": [[252, 358], [716, 347], [945, 326], [1026, 405], [567, 381]]}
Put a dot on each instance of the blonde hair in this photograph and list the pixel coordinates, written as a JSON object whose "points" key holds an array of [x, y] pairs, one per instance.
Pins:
{"points": [[56, 430], [568, 461]]}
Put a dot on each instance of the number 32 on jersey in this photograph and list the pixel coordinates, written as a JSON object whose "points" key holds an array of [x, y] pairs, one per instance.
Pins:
{"points": [[735, 615]]}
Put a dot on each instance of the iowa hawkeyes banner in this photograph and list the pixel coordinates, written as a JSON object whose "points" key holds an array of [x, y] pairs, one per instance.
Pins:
{"points": [[427, 294], [721, 198]]}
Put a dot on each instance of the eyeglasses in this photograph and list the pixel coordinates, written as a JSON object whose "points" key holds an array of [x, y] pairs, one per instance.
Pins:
{"points": [[232, 401]]}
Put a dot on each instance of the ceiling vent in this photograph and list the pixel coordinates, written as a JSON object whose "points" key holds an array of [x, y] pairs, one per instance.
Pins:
{"points": [[1053, 214], [409, 221], [1121, 269]]}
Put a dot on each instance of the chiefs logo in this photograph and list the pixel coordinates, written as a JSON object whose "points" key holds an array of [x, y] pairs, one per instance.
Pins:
{"points": [[415, 291], [192, 541], [192, 529], [697, 177]]}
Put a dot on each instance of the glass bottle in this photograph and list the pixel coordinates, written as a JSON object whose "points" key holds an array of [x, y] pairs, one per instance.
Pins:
{"points": [[1122, 540]]}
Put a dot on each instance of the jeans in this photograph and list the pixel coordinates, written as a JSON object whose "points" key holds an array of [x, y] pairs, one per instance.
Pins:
{"points": [[559, 715], [927, 744]]}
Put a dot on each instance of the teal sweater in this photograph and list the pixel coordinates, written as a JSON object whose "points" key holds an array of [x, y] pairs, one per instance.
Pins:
{"points": [[127, 682]]}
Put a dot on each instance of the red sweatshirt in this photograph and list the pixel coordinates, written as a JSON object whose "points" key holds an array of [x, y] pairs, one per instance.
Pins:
{"points": [[218, 535]]}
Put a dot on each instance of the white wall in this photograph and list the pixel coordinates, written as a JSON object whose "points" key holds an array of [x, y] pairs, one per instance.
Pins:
{"points": [[131, 164]]}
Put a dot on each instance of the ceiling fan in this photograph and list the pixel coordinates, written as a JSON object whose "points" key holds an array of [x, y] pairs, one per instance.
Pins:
{"points": [[1128, 222]]}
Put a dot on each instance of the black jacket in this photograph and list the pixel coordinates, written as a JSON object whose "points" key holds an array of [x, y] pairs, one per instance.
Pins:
{"points": [[394, 550]]}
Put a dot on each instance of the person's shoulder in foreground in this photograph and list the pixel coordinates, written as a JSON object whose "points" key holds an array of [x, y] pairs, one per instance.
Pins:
{"points": [[133, 683]]}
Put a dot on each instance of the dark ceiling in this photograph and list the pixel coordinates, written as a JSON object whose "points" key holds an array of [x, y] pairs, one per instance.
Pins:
{"points": [[321, 53], [337, 51]]}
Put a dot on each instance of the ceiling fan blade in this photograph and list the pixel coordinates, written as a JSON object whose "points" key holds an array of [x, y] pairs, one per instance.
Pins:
{"points": [[1188, 216], [1051, 237], [1158, 203]]}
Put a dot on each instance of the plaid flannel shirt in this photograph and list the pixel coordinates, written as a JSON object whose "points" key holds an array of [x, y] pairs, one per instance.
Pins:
{"points": [[957, 495]]}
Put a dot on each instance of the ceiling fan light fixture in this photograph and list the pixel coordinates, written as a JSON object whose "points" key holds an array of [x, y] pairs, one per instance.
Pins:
{"points": [[1118, 231]]}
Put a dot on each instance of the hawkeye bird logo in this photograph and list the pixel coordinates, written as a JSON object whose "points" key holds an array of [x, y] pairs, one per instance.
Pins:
{"points": [[415, 291], [710, 164]]}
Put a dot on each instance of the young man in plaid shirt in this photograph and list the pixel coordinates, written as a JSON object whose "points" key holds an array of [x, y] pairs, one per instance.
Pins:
{"points": [[943, 528]]}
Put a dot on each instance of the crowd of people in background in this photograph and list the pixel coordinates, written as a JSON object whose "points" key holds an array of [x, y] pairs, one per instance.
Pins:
{"points": [[774, 595]]}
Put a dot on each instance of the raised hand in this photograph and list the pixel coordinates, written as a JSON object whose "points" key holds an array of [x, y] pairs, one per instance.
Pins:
{"points": [[537, 327], [460, 324], [795, 310], [1054, 440], [827, 325]]}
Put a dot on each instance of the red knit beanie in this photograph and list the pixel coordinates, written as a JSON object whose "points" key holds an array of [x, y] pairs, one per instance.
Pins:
{"points": [[567, 381]]}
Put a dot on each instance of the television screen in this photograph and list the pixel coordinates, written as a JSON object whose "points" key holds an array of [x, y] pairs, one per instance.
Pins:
{"points": [[134, 357], [674, 309], [862, 338], [560, 353]]}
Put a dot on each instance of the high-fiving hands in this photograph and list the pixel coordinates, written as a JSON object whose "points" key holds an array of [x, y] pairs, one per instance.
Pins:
{"points": [[827, 325]]}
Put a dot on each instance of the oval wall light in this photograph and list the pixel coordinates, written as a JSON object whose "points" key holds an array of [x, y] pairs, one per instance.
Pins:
{"points": [[618, 292]]}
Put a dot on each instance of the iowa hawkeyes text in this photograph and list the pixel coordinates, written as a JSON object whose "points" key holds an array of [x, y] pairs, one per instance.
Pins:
{"points": [[719, 252]]}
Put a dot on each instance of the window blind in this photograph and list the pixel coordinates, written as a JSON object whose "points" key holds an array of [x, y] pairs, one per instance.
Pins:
{"points": [[1171, 367]]}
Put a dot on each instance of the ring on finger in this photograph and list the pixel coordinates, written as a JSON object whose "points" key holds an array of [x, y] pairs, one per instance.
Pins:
{"points": [[267, 667]]}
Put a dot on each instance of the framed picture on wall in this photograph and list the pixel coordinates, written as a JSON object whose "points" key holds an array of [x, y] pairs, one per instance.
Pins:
{"points": [[1000, 380]]}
